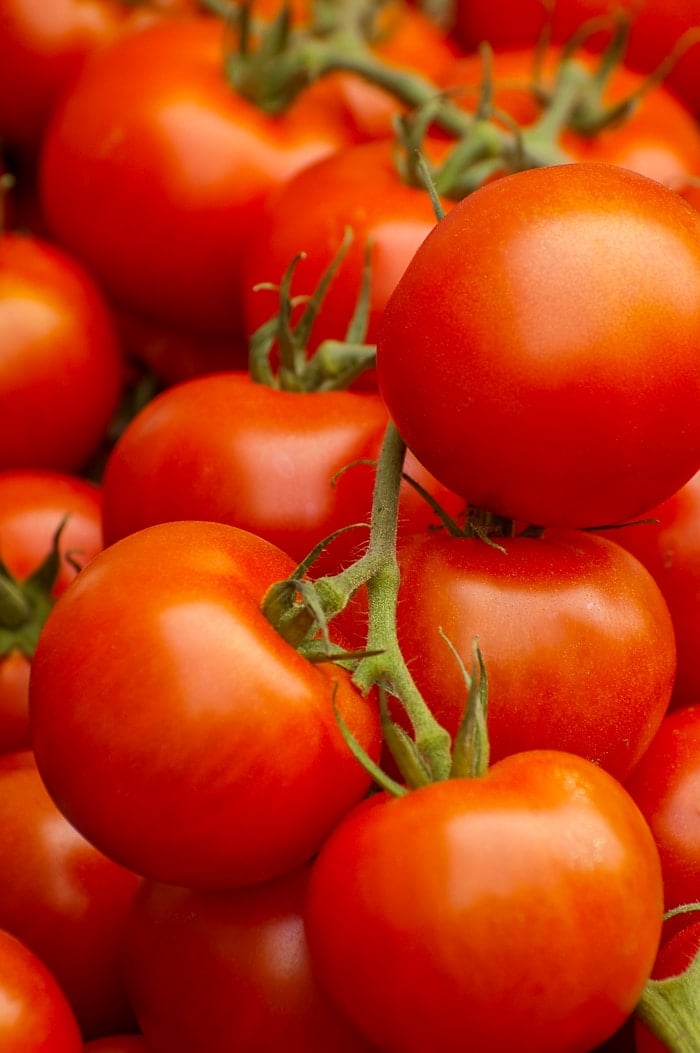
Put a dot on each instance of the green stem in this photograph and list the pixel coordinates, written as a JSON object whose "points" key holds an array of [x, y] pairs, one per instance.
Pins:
{"points": [[379, 570], [670, 1008]]}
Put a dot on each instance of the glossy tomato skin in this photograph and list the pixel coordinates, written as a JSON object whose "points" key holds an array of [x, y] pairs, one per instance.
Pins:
{"points": [[117, 1044], [539, 353], [62, 371], [154, 182], [34, 1014], [229, 970], [357, 188], [659, 138], [224, 448], [32, 505], [576, 637], [667, 542], [665, 786], [656, 27], [206, 715], [63, 899], [519, 911]]}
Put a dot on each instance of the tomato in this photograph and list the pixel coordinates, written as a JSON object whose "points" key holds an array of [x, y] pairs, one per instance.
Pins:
{"points": [[519, 911], [357, 188], [659, 138], [667, 542], [34, 1014], [539, 354], [227, 449], [673, 959], [155, 182], [576, 637], [229, 970], [41, 51], [64, 899], [656, 27], [175, 728], [61, 371], [33, 504], [665, 785], [117, 1044]]}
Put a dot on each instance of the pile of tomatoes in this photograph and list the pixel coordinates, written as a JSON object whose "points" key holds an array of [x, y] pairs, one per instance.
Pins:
{"points": [[349, 526]]}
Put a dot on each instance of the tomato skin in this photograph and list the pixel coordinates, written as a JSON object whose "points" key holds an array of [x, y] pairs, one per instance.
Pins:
{"points": [[500, 374], [62, 372], [659, 138], [668, 544], [34, 1014], [657, 25], [518, 911], [63, 898], [117, 1044], [32, 506], [226, 449], [358, 188], [576, 637], [665, 785], [205, 713], [229, 970], [155, 183]]}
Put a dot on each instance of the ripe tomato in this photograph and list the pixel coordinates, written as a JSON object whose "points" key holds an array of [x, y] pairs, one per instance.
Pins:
{"points": [[539, 354], [576, 637], [61, 368], [63, 899], [117, 1044], [357, 188], [155, 181], [34, 1014], [224, 448], [172, 724], [517, 911], [659, 138], [656, 27], [32, 505], [42, 49], [227, 970], [669, 547], [665, 786]]}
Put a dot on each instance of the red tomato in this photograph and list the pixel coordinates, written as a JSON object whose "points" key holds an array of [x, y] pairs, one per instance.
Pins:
{"points": [[539, 354], [34, 1014], [61, 369], [63, 899], [665, 784], [576, 638], [520, 911], [672, 960], [224, 448], [172, 724], [42, 48], [117, 1044], [219, 971], [155, 181], [358, 188], [32, 506], [657, 25], [670, 550], [659, 138]]}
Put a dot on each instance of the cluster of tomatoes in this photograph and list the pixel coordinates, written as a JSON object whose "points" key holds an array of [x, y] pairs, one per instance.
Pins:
{"points": [[349, 526]]}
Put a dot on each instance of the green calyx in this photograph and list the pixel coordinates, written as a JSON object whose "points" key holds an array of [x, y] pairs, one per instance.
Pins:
{"points": [[25, 605], [335, 364]]}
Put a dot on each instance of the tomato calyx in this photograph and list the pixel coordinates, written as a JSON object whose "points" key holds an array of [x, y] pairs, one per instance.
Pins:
{"points": [[25, 605], [335, 364], [670, 1008]]}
